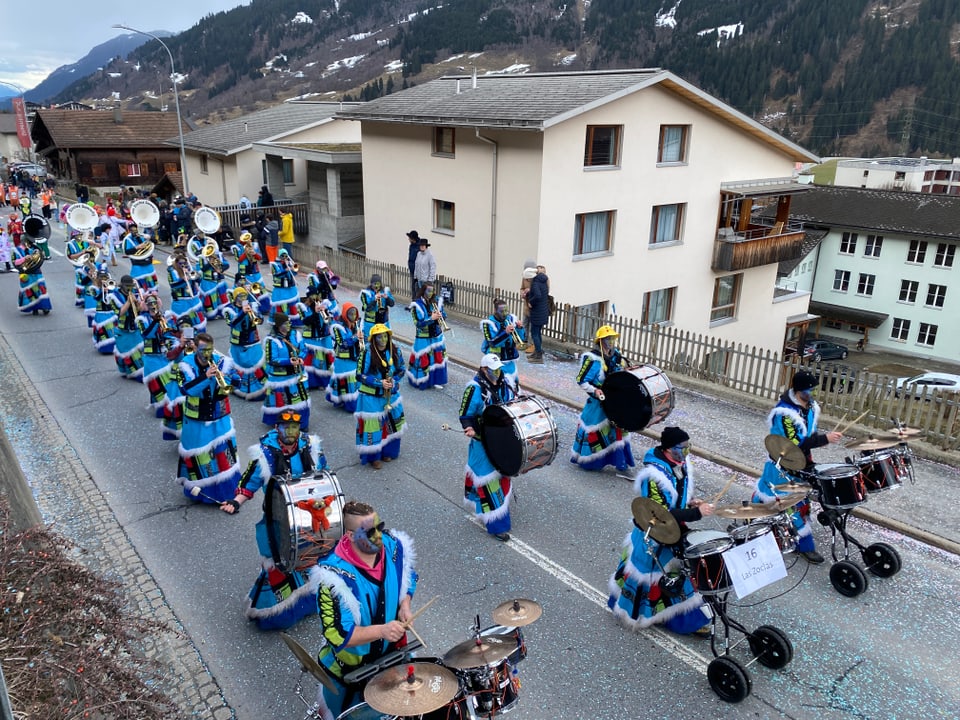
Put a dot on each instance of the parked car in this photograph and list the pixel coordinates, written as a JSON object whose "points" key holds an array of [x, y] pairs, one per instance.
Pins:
{"points": [[932, 382], [834, 376], [818, 350], [31, 169]]}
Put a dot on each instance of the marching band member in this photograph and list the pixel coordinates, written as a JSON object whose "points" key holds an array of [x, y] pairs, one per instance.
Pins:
{"points": [[184, 293], [91, 271], [795, 418], [278, 599], [285, 297], [485, 490], [157, 329], [343, 389], [32, 296], [78, 247], [502, 332], [248, 260], [318, 363], [185, 344], [139, 251], [14, 229], [375, 304], [286, 381], [323, 282], [245, 348], [428, 361], [208, 441], [213, 282], [128, 344], [599, 442], [643, 590], [104, 325], [379, 414], [366, 586]]}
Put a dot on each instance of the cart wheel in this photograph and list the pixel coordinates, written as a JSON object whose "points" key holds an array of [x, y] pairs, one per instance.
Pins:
{"points": [[771, 647], [728, 680], [848, 579], [881, 559]]}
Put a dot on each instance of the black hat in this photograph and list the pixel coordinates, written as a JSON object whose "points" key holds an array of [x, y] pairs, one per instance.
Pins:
{"points": [[672, 436], [803, 380], [413, 235], [424, 241]]}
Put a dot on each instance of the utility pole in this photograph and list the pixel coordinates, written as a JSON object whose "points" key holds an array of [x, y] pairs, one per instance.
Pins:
{"points": [[905, 133]]}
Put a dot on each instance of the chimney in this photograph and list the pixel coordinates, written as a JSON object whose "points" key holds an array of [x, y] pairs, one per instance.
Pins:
{"points": [[117, 114], [244, 126], [474, 77], [458, 86]]}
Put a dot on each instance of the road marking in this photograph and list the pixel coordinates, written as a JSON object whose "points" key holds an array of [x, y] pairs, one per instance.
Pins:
{"points": [[659, 636]]}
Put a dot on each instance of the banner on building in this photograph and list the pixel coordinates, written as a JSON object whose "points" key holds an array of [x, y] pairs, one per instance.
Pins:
{"points": [[23, 130]]}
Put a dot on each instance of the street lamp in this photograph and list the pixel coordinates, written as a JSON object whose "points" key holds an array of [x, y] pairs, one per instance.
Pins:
{"points": [[176, 100]]}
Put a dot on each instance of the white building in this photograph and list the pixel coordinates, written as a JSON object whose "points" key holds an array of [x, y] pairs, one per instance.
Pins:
{"points": [[937, 177], [637, 191], [887, 268]]}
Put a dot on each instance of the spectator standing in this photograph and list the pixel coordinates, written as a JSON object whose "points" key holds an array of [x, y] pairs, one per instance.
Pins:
{"points": [[424, 266], [412, 250], [539, 302], [529, 273], [286, 227], [271, 237], [265, 197]]}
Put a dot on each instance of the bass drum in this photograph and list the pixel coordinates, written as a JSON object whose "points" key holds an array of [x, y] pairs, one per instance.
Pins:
{"points": [[519, 436], [637, 397], [304, 518]]}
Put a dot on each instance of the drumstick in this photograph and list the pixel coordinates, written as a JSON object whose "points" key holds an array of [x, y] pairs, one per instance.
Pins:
{"points": [[723, 491], [417, 614], [840, 423], [854, 422], [447, 427]]}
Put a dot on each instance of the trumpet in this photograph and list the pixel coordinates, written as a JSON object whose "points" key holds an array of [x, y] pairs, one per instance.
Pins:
{"points": [[435, 308], [381, 301], [210, 253], [254, 318], [517, 341], [225, 387]]}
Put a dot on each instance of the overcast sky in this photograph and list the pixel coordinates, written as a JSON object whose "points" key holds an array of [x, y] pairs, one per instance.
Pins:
{"points": [[39, 39]]}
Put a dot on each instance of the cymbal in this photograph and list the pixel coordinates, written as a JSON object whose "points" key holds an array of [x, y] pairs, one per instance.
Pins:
{"points": [[517, 613], [873, 443], [649, 514], [482, 652], [794, 487], [788, 500], [748, 511], [905, 432], [781, 449], [309, 663], [411, 689]]}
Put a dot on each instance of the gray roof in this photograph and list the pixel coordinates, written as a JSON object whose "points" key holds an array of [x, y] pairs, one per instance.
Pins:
{"points": [[537, 101], [886, 211], [811, 238], [232, 136]]}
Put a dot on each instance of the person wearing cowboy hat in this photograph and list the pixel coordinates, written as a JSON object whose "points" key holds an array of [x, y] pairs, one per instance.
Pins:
{"points": [[245, 349], [425, 265], [795, 417], [379, 414], [599, 442], [485, 490], [286, 380]]}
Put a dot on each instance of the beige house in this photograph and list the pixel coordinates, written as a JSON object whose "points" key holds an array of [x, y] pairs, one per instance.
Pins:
{"points": [[223, 163], [639, 192]]}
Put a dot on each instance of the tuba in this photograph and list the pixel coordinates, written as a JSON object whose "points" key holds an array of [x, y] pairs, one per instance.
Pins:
{"points": [[207, 220], [32, 262], [81, 217], [145, 214], [87, 257]]}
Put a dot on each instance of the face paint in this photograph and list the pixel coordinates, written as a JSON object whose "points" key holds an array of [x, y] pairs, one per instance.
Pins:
{"points": [[377, 286], [289, 433], [380, 340], [679, 452], [428, 292], [500, 311], [369, 536], [206, 352], [609, 344]]}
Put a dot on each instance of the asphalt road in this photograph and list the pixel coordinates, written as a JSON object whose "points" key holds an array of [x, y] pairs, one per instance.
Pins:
{"points": [[885, 654]]}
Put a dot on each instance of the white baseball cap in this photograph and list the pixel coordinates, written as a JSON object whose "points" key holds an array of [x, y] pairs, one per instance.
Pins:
{"points": [[491, 361]]}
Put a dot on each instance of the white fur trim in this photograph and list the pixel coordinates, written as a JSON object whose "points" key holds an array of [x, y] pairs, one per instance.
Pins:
{"points": [[409, 560], [319, 575]]}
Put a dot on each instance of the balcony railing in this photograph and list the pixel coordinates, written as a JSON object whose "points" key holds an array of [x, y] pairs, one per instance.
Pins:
{"points": [[757, 245]]}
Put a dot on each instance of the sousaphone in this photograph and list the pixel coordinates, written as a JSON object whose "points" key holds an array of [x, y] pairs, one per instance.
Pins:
{"points": [[37, 227], [145, 214], [207, 220], [81, 217]]}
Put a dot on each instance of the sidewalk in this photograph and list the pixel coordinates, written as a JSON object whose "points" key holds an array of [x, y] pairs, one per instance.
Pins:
{"points": [[724, 430]]}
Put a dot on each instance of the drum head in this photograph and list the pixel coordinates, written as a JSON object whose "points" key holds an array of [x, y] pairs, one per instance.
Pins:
{"points": [[144, 213], [207, 219], [627, 402], [278, 522], [504, 447]]}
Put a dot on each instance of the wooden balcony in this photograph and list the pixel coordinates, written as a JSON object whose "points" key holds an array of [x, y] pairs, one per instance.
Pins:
{"points": [[756, 245]]}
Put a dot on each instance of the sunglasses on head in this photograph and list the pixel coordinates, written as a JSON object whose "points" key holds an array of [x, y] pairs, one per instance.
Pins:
{"points": [[290, 417]]}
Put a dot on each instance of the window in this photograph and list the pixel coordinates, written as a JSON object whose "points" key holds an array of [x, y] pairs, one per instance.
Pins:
{"points": [[287, 171], [848, 243], [858, 329], [593, 233], [602, 146], [917, 252], [841, 280], [865, 284], [204, 166], [444, 215], [927, 335], [874, 243], [945, 253], [900, 330], [936, 295], [170, 167], [908, 291], [673, 144], [833, 324], [444, 141], [658, 306], [98, 170], [667, 224], [866, 173], [726, 292]]}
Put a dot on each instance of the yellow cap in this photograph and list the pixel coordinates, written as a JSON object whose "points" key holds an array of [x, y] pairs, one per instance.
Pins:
{"points": [[606, 331], [379, 328]]}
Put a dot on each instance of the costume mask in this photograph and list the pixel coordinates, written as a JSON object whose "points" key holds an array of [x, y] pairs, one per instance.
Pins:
{"points": [[369, 536], [206, 353], [289, 432], [500, 311], [380, 340], [678, 453], [428, 292]]}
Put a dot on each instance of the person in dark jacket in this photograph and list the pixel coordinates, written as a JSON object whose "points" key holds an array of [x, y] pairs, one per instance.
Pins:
{"points": [[266, 197], [412, 251], [539, 302]]}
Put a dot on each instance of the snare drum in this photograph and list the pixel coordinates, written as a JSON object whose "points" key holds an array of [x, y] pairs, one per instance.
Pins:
{"points": [[364, 712], [637, 397], [493, 688], [882, 470], [841, 486], [707, 568], [304, 518], [742, 534], [519, 436]]}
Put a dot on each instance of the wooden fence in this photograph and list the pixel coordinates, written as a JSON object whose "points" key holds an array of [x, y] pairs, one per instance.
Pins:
{"points": [[741, 368], [230, 215]]}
